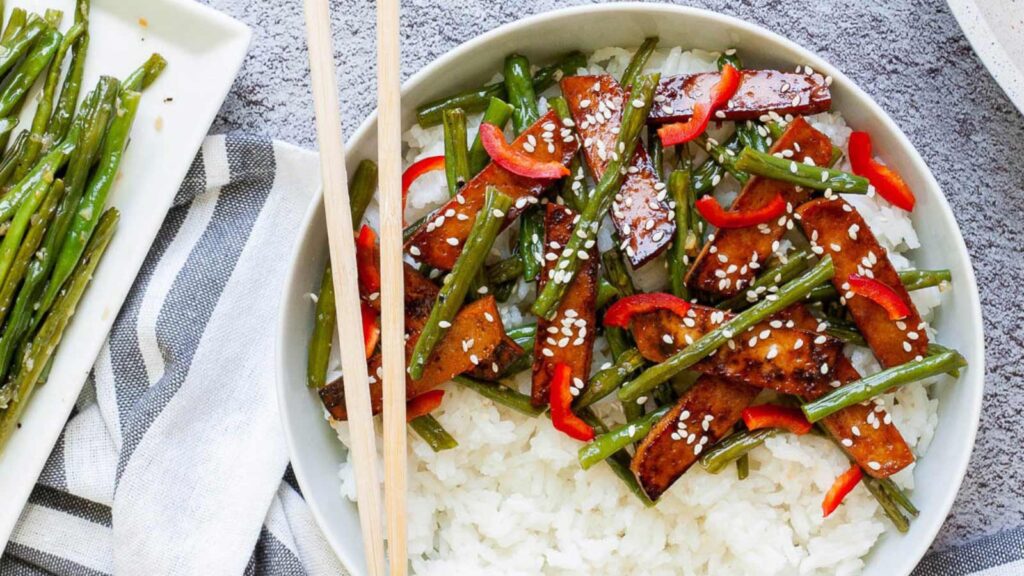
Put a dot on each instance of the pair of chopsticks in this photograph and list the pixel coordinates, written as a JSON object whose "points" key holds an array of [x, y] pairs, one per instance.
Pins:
{"points": [[342, 253]]}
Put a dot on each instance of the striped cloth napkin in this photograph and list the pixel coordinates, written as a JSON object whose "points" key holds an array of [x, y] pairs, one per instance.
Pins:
{"points": [[174, 462]]}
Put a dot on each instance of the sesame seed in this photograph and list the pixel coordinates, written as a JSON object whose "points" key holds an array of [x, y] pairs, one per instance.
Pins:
{"points": [[444, 324]]}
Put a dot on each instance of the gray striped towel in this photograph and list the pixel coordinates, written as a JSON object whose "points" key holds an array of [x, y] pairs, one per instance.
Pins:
{"points": [[173, 461]]}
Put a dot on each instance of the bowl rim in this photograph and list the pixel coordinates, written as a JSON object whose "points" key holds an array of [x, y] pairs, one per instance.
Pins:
{"points": [[974, 378]]}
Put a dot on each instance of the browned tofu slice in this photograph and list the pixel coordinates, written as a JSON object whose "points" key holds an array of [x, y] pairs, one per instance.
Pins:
{"points": [[770, 355], [760, 92], [837, 229], [569, 337], [704, 415], [439, 241], [865, 432], [506, 353], [639, 213], [475, 333], [730, 261]]}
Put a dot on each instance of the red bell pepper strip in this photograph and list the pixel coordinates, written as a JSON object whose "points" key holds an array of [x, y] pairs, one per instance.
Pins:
{"points": [[423, 404], [366, 259], [622, 311], [371, 330], [561, 406], [775, 416], [846, 482], [881, 294], [887, 182], [418, 168], [713, 212], [517, 161], [680, 132]]}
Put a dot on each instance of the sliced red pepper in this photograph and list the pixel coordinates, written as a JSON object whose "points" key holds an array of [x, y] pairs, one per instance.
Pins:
{"points": [[423, 404], [371, 330], [680, 132], [887, 182], [713, 212], [846, 482], [775, 416], [561, 406], [366, 259], [622, 311], [517, 161], [880, 293], [418, 168]]}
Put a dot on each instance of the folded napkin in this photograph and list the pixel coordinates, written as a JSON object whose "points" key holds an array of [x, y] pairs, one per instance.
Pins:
{"points": [[174, 462]]}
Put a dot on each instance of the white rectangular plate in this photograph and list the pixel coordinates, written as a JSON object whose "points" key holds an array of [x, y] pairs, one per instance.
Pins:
{"points": [[204, 50]]}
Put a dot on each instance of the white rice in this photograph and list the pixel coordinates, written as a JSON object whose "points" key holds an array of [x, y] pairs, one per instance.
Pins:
{"points": [[513, 500]]}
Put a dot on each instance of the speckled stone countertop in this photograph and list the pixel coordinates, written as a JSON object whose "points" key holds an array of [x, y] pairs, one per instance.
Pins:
{"points": [[910, 55]]}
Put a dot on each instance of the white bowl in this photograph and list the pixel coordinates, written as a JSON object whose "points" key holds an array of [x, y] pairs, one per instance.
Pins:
{"points": [[317, 454]]}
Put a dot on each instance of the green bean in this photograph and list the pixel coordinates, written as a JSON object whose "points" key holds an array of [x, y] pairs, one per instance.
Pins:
{"points": [[585, 231], [16, 231], [16, 85], [498, 113], [732, 447], [20, 43], [605, 445], [771, 279], [898, 496], [870, 386], [806, 175], [37, 355], [362, 189], [610, 379], [22, 322], [433, 433], [324, 324], [723, 155], [501, 395], [45, 169], [657, 152], [574, 183], [64, 113], [789, 294], [145, 75], [729, 57], [44, 108], [637, 63], [477, 99], [618, 340], [888, 505], [616, 273], [453, 291], [707, 176], [14, 24], [531, 242], [95, 197], [685, 240], [605, 293], [519, 85], [750, 135], [743, 467], [618, 462], [912, 280], [78, 212], [506, 270], [456, 154], [39, 224]]}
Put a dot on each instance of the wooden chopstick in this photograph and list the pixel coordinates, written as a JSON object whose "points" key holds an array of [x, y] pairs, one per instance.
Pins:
{"points": [[389, 158], [343, 255]]}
